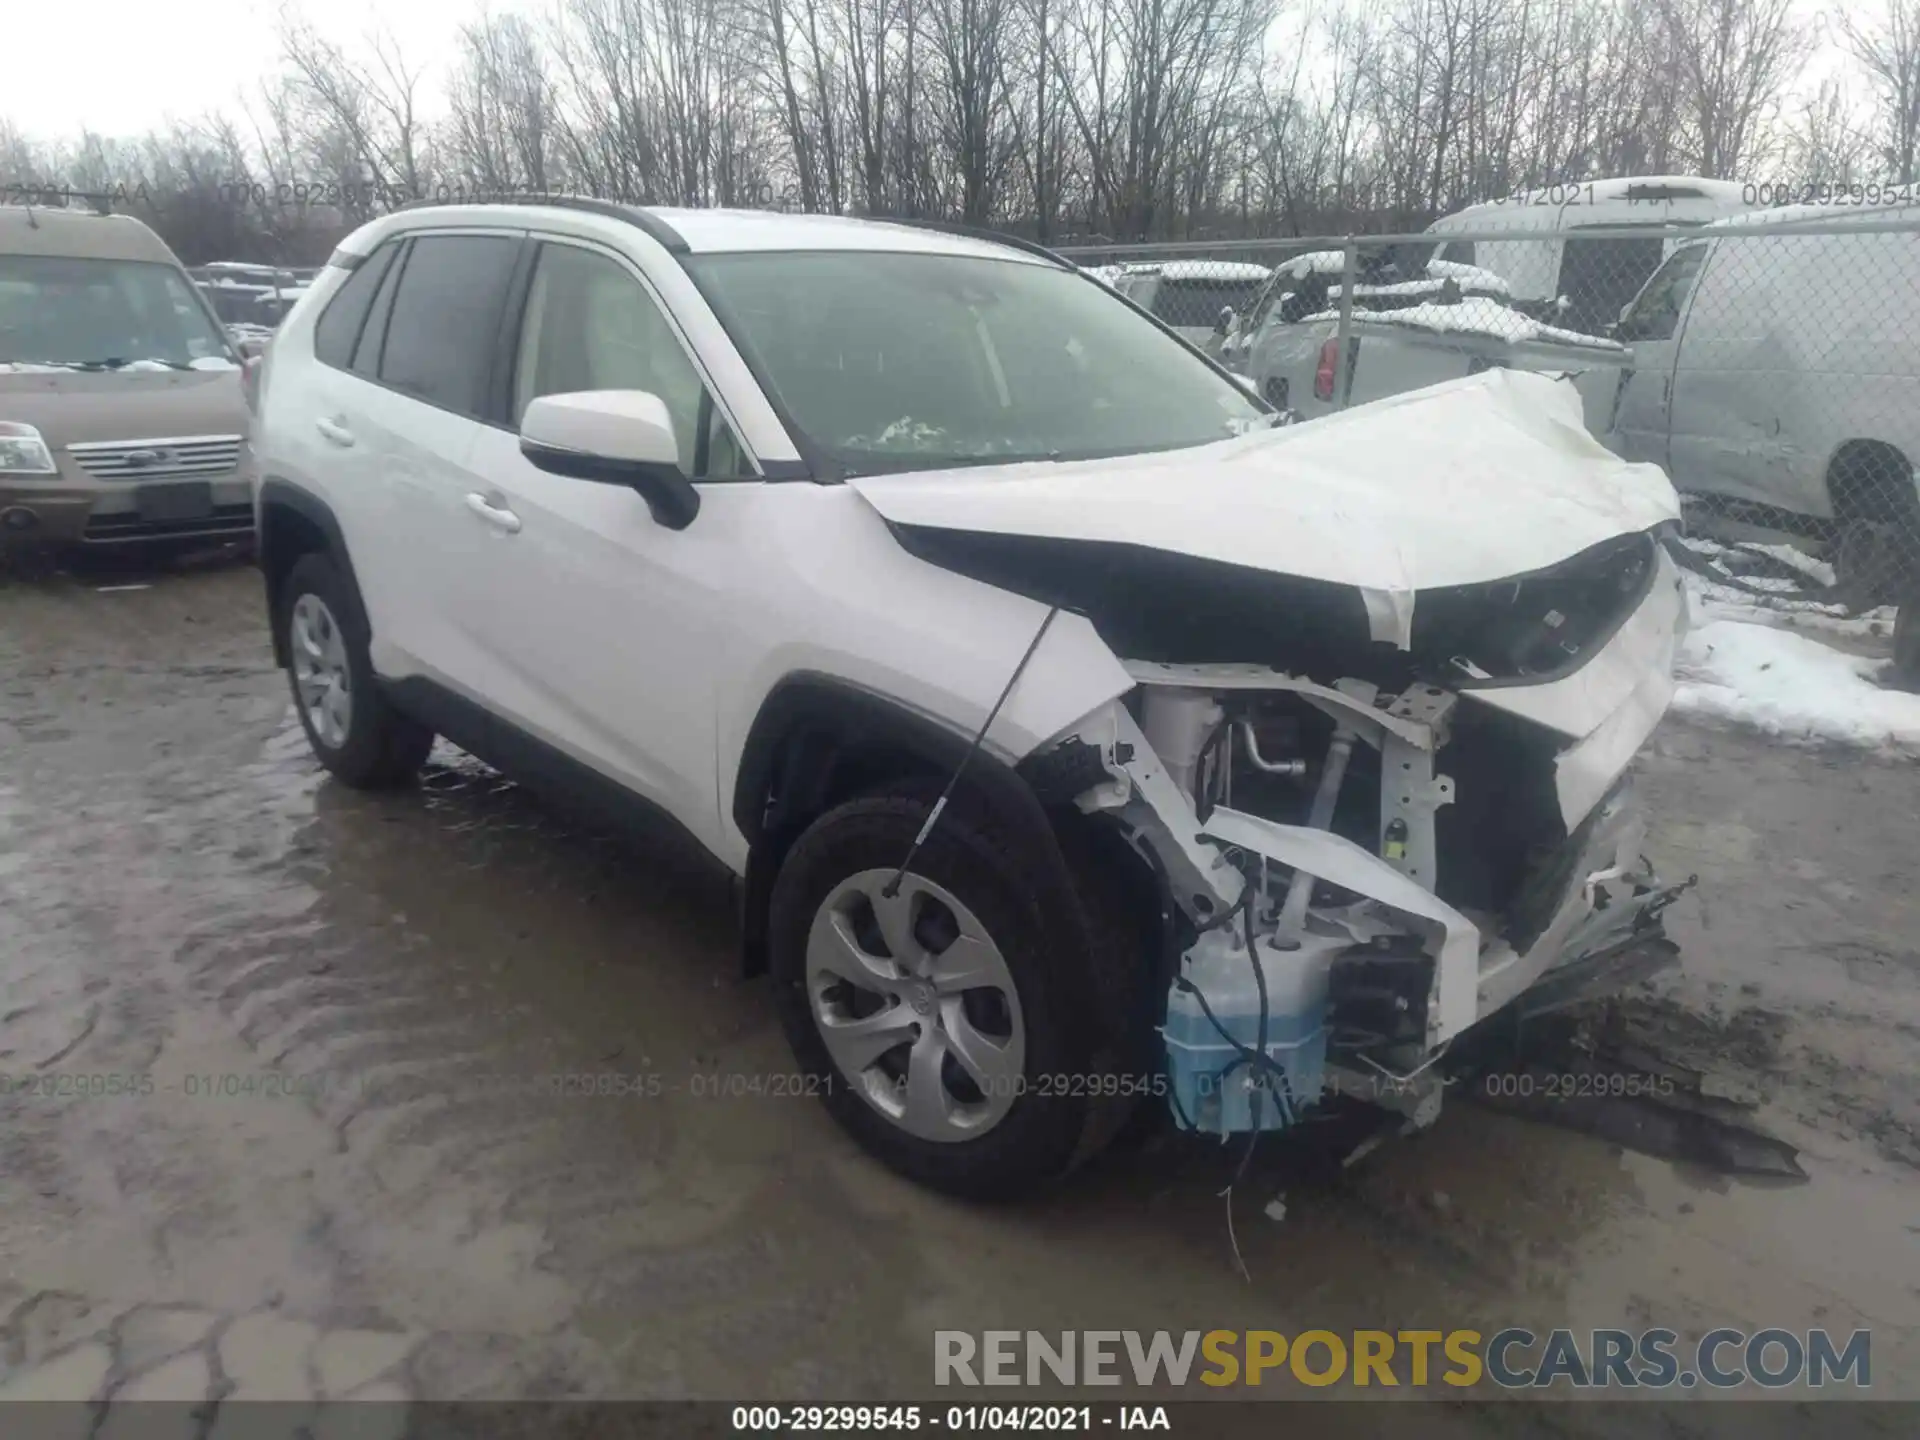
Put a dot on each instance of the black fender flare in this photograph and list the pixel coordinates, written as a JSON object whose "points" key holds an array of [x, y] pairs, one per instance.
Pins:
{"points": [[794, 766], [279, 497]]}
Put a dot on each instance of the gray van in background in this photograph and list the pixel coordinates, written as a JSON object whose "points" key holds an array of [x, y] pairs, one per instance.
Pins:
{"points": [[1778, 374], [122, 417]]}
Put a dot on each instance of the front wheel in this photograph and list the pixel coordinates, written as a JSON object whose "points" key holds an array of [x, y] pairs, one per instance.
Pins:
{"points": [[933, 1020]]}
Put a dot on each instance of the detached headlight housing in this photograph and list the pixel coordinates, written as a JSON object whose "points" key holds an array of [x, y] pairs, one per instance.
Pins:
{"points": [[23, 451]]}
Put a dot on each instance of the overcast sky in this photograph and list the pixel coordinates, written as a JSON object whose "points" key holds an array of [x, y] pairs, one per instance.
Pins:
{"points": [[122, 67]]}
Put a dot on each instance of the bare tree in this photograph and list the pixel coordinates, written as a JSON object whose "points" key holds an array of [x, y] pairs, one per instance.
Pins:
{"points": [[367, 110], [1888, 47], [1732, 59], [502, 130]]}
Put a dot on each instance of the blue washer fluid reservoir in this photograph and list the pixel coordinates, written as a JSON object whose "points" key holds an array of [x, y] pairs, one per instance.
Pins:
{"points": [[1214, 1090]]}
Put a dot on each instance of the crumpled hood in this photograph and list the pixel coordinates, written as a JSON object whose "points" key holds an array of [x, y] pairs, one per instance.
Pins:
{"points": [[1462, 483]]}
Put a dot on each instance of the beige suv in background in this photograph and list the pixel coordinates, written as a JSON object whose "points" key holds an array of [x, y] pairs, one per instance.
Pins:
{"points": [[122, 418]]}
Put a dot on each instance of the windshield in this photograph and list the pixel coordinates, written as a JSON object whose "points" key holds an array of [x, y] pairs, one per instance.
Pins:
{"points": [[915, 361], [103, 313]]}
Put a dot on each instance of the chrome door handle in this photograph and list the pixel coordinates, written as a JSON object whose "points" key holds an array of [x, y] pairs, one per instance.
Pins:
{"points": [[334, 433], [494, 515]]}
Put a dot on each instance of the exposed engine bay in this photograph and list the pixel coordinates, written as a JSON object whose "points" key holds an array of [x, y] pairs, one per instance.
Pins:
{"points": [[1361, 873], [1388, 670]]}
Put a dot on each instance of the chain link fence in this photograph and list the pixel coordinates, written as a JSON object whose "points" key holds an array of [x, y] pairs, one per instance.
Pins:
{"points": [[1769, 362]]}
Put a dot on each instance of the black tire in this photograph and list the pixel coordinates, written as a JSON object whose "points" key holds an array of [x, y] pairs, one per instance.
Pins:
{"points": [[1050, 1127], [382, 749], [1906, 639]]}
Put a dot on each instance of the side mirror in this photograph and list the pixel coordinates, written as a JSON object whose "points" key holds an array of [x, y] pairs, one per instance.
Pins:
{"points": [[1225, 322], [612, 437]]}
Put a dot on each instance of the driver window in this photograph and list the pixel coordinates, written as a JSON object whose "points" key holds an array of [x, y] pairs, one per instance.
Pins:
{"points": [[590, 325], [1656, 314]]}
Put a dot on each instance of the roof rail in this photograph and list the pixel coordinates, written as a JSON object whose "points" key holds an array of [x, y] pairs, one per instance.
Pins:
{"points": [[634, 215], [975, 232]]}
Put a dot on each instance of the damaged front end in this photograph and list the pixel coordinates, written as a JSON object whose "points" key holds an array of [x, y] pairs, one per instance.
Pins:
{"points": [[1362, 867]]}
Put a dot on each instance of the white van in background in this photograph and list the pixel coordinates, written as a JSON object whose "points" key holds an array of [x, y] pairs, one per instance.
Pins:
{"points": [[1580, 284], [1779, 373]]}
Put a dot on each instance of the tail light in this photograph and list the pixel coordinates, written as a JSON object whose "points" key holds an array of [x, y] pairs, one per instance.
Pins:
{"points": [[1323, 372]]}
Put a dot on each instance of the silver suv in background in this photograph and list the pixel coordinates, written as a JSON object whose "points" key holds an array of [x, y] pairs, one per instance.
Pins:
{"points": [[122, 418]]}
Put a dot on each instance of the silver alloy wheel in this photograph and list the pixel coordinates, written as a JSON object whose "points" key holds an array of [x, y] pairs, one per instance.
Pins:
{"points": [[320, 669], [916, 1006]]}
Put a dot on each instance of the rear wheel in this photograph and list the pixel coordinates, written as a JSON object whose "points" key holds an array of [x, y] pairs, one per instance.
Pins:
{"points": [[1876, 556], [352, 728], [939, 1028], [1906, 639]]}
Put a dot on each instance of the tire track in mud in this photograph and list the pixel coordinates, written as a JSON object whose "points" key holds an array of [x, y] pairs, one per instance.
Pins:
{"points": [[400, 972], [431, 1066]]}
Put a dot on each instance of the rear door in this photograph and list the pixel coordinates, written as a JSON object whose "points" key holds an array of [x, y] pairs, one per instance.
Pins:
{"points": [[328, 434], [1643, 397], [431, 346]]}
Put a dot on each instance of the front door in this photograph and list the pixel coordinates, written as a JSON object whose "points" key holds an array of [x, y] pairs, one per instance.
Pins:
{"points": [[605, 626], [1641, 418]]}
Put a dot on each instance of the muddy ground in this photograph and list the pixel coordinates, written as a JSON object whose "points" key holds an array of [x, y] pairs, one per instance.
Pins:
{"points": [[183, 897]]}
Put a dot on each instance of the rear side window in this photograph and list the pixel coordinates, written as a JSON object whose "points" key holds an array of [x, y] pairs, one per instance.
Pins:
{"points": [[441, 335], [1193, 302], [366, 354], [338, 329]]}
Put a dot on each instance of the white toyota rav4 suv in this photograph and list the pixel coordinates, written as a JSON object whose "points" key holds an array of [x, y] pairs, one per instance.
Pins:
{"points": [[1076, 735]]}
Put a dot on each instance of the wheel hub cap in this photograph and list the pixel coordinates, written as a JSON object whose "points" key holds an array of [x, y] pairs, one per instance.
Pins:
{"points": [[320, 674], [916, 1005]]}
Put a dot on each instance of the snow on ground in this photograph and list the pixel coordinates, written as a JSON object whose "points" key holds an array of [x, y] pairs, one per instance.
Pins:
{"points": [[1791, 686], [1787, 603], [1749, 661]]}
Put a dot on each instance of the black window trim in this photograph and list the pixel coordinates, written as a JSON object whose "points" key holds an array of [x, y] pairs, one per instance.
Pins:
{"points": [[397, 244], [507, 354], [385, 290]]}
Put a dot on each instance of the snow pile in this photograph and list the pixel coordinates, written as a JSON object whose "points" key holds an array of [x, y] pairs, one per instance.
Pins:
{"points": [[1316, 262], [1469, 277], [1481, 316], [1225, 270], [1790, 686]]}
